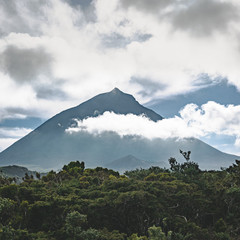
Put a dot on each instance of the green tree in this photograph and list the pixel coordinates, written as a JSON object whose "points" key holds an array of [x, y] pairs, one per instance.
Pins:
{"points": [[6, 210], [74, 227], [220, 226], [74, 222], [6, 233], [135, 237], [156, 233]]}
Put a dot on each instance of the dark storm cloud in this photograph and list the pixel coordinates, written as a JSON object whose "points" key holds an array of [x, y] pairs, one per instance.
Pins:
{"points": [[200, 17], [25, 64]]}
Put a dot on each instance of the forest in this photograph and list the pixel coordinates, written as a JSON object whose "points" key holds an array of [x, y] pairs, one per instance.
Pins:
{"points": [[179, 203]]}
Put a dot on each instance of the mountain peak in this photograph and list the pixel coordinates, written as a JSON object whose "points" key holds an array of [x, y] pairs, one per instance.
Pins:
{"points": [[118, 102], [116, 91]]}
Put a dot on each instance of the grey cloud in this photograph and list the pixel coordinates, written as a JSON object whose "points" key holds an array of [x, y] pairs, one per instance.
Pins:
{"points": [[142, 37], [30, 16], [25, 64], [50, 92], [205, 80], [9, 6], [149, 87], [15, 112], [116, 40], [10, 20], [13, 16], [82, 3], [202, 17], [20, 111], [87, 7], [147, 5]]}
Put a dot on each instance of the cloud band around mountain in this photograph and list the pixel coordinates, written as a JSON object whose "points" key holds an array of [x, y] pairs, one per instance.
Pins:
{"points": [[194, 121]]}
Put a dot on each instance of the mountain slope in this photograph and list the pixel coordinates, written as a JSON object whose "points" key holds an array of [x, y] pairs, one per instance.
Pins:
{"points": [[49, 146], [129, 162], [16, 171], [115, 101]]}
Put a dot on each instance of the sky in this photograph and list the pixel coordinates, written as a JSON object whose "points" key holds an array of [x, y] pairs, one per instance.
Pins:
{"points": [[177, 57]]}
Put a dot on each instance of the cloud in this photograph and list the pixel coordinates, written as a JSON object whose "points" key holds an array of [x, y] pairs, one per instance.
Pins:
{"points": [[130, 125], [204, 17], [194, 121], [213, 118], [152, 6], [82, 3], [22, 17], [201, 17], [14, 132], [50, 92], [10, 135], [149, 87], [116, 40], [25, 64], [12, 113], [56, 51], [6, 142], [237, 142], [86, 6]]}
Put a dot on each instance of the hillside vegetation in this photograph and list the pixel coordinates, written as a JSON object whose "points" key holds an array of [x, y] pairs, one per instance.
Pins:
{"points": [[180, 203]]}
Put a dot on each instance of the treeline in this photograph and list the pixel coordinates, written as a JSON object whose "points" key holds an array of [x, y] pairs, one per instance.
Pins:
{"points": [[179, 203]]}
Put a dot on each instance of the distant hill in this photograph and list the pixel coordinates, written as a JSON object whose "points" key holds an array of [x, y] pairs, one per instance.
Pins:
{"points": [[130, 162], [50, 147], [16, 172]]}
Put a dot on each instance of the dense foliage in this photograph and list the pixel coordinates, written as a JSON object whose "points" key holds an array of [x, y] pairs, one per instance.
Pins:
{"points": [[180, 203]]}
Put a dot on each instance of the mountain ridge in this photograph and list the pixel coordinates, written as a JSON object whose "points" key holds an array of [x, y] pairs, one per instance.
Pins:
{"points": [[49, 146], [130, 162]]}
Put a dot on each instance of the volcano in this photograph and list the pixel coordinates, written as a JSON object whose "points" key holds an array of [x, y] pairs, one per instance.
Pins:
{"points": [[50, 147]]}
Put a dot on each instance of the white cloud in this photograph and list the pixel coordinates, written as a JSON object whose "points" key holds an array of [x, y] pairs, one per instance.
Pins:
{"points": [[132, 125], [213, 118], [186, 39], [10, 135], [194, 121], [237, 143], [81, 64], [6, 142], [14, 132]]}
